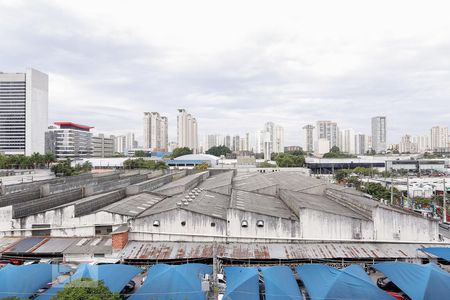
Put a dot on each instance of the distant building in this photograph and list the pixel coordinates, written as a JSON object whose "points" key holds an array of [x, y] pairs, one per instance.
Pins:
{"points": [[348, 141], [103, 146], [322, 147], [308, 135], [69, 140], [439, 137], [329, 131], [407, 145], [422, 143], [187, 130], [379, 134], [236, 143], [360, 144], [292, 148], [155, 131], [124, 143], [23, 112], [270, 140]]}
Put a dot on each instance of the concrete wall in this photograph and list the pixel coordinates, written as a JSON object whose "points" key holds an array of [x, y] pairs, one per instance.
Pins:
{"points": [[391, 225], [316, 224], [149, 185], [170, 222], [273, 226]]}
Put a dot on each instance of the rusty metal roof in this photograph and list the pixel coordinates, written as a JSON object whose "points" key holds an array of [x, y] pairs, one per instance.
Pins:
{"points": [[182, 250]]}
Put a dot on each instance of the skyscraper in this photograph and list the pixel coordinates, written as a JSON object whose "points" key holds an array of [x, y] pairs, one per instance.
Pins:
{"points": [[439, 137], [348, 141], [360, 144], [187, 130], [270, 140], [23, 112], [155, 131], [308, 136], [379, 134], [328, 130]]}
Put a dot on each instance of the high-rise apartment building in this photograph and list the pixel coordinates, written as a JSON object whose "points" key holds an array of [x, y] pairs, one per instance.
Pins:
{"points": [[379, 134], [308, 136], [124, 143], [187, 130], [348, 141], [407, 145], [422, 143], [328, 130], [103, 146], [69, 140], [236, 143], [155, 131], [270, 140], [439, 137], [23, 112], [360, 144]]}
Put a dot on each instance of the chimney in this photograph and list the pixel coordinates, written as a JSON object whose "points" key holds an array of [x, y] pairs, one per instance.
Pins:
{"points": [[120, 237]]}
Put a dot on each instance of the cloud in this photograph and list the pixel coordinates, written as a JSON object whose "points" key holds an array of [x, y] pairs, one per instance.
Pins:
{"points": [[237, 65]]}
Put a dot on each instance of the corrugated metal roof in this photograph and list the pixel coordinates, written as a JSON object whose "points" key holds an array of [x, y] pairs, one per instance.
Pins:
{"points": [[133, 205], [174, 250], [55, 245], [6, 242], [25, 245], [90, 246]]}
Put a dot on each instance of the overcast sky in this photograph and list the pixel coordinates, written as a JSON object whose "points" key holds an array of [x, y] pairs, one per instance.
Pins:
{"points": [[236, 64]]}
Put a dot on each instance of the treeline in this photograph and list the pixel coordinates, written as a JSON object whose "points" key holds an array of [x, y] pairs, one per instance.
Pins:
{"points": [[64, 168], [34, 161], [141, 163]]}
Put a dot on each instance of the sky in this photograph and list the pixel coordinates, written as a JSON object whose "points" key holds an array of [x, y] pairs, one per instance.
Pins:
{"points": [[235, 65]]}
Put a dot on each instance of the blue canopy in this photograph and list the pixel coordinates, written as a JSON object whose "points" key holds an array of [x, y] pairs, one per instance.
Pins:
{"points": [[280, 283], [23, 281], [114, 276], [173, 282], [439, 252], [242, 283], [324, 282], [418, 281]]}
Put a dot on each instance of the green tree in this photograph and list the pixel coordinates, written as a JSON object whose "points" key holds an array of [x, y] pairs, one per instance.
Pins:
{"points": [[286, 160], [85, 289], [202, 166], [266, 164], [181, 151], [140, 153], [335, 152], [49, 158], [218, 150], [341, 176], [141, 163]]}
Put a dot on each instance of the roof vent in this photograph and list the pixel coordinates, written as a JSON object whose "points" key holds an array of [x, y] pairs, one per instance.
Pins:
{"points": [[156, 223], [179, 204], [244, 223], [260, 223], [185, 203]]}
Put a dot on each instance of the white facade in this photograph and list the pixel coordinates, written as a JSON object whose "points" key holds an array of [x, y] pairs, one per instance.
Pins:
{"points": [[124, 143], [439, 137], [407, 145], [187, 130], [379, 134], [348, 141], [23, 112], [322, 146], [270, 140], [422, 143], [69, 140], [155, 131], [308, 136], [360, 144], [328, 130], [103, 146]]}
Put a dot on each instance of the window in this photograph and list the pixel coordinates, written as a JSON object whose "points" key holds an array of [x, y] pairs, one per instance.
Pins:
{"points": [[42, 230], [260, 223], [213, 224], [103, 229], [183, 223], [244, 224]]}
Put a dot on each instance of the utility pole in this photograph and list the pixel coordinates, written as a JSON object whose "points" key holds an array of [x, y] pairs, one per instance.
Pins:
{"points": [[392, 190], [444, 204], [407, 189]]}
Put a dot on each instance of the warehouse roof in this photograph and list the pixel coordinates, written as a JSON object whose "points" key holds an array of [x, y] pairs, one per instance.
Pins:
{"points": [[133, 205], [217, 180], [253, 182], [261, 204], [206, 203], [167, 188]]}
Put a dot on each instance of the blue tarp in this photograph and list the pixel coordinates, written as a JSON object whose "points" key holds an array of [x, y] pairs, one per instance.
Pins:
{"points": [[280, 283], [23, 281], [242, 283], [418, 281], [439, 252], [324, 282], [173, 282], [114, 276]]}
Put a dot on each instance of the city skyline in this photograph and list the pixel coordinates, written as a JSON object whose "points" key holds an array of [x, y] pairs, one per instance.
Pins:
{"points": [[257, 74]]}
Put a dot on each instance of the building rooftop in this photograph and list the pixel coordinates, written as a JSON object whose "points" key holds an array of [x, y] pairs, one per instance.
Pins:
{"points": [[217, 180], [65, 124], [261, 204], [168, 189], [252, 182], [133, 205], [206, 203]]}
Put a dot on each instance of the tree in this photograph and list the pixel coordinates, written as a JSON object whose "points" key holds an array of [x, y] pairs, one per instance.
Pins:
{"points": [[266, 164], [141, 163], [49, 158], [85, 289], [285, 160], [335, 152], [218, 151], [181, 151], [140, 153], [63, 168], [202, 166]]}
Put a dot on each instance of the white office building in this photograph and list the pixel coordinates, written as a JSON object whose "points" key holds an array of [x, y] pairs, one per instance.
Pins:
{"points": [[439, 137], [103, 146], [379, 134], [69, 140], [23, 112], [155, 131], [187, 130]]}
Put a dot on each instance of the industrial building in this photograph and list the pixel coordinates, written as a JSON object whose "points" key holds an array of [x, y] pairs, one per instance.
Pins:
{"points": [[177, 215]]}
